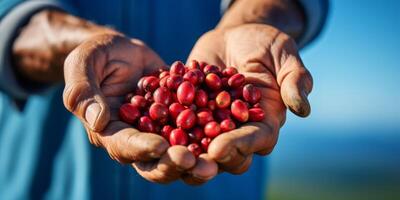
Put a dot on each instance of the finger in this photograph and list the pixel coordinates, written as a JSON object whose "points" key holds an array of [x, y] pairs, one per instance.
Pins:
{"points": [[127, 145], [82, 95], [232, 149], [296, 83], [204, 170], [204, 51], [152, 61], [170, 167]]}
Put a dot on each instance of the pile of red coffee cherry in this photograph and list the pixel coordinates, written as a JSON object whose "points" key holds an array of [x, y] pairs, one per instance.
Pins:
{"points": [[190, 105]]}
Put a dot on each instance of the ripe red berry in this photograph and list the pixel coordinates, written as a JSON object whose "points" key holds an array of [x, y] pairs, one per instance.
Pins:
{"points": [[163, 81], [175, 109], [186, 93], [212, 129], [149, 98], [150, 83], [204, 116], [138, 101], [202, 65], [240, 111], [177, 68], [173, 81], [163, 74], [212, 105], [251, 94], [196, 134], [213, 81], [195, 149], [191, 76], [166, 131], [129, 113], [236, 80], [162, 95], [227, 125], [186, 119], [158, 112], [256, 114], [200, 76], [146, 125], [140, 85], [211, 69], [178, 137], [257, 105], [193, 64], [229, 71], [201, 98], [223, 99], [205, 142]]}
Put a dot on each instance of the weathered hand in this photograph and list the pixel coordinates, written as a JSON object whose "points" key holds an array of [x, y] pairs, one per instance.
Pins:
{"points": [[269, 59], [98, 75]]}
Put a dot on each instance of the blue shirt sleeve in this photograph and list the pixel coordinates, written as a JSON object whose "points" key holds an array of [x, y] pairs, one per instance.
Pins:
{"points": [[13, 15]]}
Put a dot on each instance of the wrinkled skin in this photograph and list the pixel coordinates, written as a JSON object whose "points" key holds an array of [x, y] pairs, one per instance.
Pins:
{"points": [[98, 75], [269, 59]]}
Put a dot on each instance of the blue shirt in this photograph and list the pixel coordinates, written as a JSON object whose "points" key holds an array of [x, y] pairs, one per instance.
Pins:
{"points": [[44, 150]]}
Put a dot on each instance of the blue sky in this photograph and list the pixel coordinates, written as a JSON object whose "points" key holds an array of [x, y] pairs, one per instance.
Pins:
{"points": [[355, 65]]}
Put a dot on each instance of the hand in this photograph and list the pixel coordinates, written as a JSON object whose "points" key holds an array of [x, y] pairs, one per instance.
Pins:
{"points": [[98, 75], [269, 59]]}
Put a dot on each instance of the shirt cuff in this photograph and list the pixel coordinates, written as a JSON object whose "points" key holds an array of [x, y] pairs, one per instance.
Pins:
{"points": [[10, 25], [316, 12]]}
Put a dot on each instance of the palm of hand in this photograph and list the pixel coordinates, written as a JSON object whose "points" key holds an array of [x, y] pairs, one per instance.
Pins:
{"points": [[269, 59]]}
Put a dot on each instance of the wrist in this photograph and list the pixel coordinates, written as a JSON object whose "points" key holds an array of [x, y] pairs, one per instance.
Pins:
{"points": [[40, 49], [286, 15]]}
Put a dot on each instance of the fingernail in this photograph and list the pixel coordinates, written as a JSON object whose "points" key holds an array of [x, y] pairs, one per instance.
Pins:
{"points": [[226, 159], [92, 113]]}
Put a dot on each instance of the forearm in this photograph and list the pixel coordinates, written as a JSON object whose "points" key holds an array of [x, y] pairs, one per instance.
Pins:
{"points": [[286, 15], [39, 51]]}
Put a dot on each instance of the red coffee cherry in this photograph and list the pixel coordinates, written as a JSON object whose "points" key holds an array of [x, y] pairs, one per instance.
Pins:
{"points": [[177, 68], [240, 111], [223, 99], [229, 71], [227, 125], [166, 131], [146, 125], [213, 81], [212, 129], [162, 95], [186, 93], [163, 81], [204, 116], [251, 94], [193, 64], [129, 113], [256, 114], [175, 109], [150, 83], [201, 98], [211, 69], [173, 81], [186, 119], [195, 149], [236, 80], [196, 134], [163, 74], [159, 112], [178, 137], [192, 77], [205, 142], [212, 105], [138, 101]]}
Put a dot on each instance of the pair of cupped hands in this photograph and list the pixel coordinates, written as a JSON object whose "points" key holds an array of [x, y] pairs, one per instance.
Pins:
{"points": [[101, 71]]}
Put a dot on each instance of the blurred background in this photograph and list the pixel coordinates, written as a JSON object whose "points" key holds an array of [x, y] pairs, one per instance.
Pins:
{"points": [[349, 148]]}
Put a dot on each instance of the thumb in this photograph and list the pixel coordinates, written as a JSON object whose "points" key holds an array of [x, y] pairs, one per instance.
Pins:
{"points": [[82, 94], [296, 83]]}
